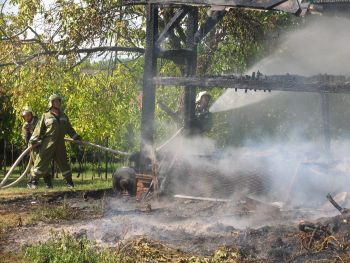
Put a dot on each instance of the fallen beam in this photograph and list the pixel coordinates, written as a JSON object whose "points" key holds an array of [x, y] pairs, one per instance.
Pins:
{"points": [[202, 198]]}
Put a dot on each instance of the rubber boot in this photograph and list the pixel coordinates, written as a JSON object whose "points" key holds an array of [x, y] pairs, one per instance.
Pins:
{"points": [[32, 183], [48, 181], [69, 182]]}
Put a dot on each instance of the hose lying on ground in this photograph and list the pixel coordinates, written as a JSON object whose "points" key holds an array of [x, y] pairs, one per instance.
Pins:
{"points": [[19, 178], [26, 151]]}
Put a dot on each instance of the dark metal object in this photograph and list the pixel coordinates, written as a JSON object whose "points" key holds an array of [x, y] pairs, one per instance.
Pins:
{"points": [[336, 205]]}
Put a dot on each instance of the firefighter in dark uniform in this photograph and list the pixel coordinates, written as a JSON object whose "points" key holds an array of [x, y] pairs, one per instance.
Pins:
{"points": [[203, 118], [50, 130]]}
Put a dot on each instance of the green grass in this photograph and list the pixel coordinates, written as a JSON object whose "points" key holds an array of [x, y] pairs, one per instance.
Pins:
{"points": [[64, 247], [87, 181]]}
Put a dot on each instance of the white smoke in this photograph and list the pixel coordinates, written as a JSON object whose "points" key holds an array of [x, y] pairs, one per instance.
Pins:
{"points": [[321, 47]]}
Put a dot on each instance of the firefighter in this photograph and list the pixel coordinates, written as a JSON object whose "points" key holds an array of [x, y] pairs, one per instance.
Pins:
{"points": [[50, 130], [203, 118], [28, 127], [30, 121]]}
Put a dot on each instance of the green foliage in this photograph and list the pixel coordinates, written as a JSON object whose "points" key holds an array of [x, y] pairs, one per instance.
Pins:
{"points": [[99, 105]]}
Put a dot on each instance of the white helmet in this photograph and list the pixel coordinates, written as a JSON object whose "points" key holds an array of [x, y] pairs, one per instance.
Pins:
{"points": [[26, 110]]}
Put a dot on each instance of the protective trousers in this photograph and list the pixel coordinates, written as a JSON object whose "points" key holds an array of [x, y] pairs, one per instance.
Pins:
{"points": [[47, 152]]}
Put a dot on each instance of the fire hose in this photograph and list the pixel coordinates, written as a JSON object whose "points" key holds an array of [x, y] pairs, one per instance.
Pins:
{"points": [[26, 151]]}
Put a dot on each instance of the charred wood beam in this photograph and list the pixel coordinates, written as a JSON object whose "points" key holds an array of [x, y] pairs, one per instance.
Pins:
{"points": [[259, 4], [174, 21], [148, 94], [297, 83], [190, 70], [208, 25], [330, 2]]}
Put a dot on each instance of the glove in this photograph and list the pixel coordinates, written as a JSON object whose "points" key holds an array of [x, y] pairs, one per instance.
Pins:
{"points": [[34, 142], [27, 126]]}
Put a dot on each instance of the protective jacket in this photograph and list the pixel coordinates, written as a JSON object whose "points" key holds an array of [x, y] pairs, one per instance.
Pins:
{"points": [[28, 129], [50, 131], [203, 121]]}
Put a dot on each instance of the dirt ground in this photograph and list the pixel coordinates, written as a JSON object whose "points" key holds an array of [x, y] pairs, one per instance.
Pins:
{"points": [[193, 226]]}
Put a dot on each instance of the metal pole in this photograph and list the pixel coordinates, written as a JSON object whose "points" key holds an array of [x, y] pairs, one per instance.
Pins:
{"points": [[190, 69], [148, 95]]}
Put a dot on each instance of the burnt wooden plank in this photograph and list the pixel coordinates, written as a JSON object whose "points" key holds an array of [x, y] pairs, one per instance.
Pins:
{"points": [[259, 4], [322, 84]]}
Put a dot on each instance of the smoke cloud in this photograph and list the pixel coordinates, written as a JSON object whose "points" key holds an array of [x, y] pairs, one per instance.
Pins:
{"points": [[321, 47]]}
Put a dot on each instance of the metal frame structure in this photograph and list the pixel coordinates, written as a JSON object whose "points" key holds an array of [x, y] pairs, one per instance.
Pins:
{"points": [[191, 35]]}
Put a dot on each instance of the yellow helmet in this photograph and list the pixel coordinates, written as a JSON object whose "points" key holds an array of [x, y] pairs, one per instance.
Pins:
{"points": [[201, 94], [54, 97], [26, 110]]}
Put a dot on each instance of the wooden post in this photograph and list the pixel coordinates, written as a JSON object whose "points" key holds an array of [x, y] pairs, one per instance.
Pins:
{"points": [[148, 95], [190, 69]]}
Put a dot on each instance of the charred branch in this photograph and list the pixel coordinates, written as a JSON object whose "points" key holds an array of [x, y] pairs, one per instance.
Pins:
{"points": [[319, 83]]}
